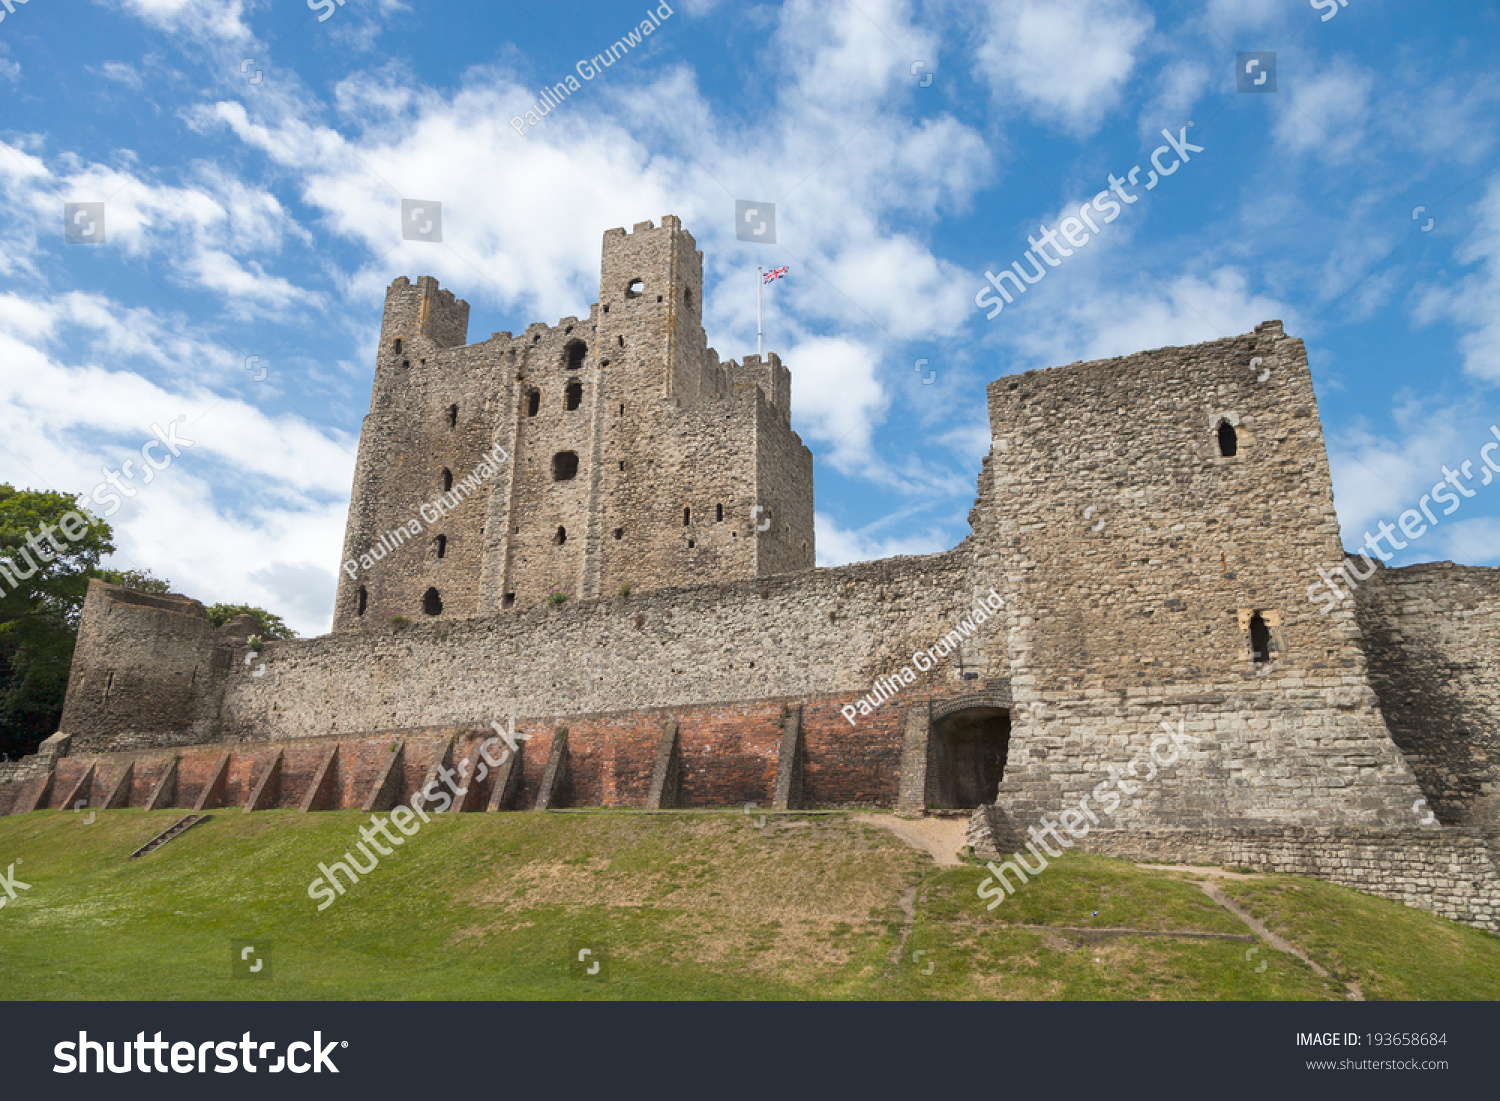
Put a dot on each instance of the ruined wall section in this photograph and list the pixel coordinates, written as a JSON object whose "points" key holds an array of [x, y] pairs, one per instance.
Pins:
{"points": [[148, 670], [1431, 634], [1136, 557], [741, 641]]}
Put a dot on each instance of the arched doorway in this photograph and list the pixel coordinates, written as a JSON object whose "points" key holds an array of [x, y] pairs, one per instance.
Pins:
{"points": [[967, 762]]}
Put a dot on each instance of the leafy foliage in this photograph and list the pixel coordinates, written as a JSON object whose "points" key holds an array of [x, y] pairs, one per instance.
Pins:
{"points": [[41, 597], [270, 625], [140, 580]]}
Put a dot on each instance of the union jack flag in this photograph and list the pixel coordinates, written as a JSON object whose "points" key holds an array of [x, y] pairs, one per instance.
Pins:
{"points": [[770, 276]]}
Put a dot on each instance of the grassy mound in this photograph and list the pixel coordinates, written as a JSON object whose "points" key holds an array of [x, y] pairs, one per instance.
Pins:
{"points": [[668, 906]]}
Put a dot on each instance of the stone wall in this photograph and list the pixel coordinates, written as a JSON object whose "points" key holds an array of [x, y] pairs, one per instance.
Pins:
{"points": [[1450, 872], [148, 670], [787, 637], [1432, 636], [1139, 558]]}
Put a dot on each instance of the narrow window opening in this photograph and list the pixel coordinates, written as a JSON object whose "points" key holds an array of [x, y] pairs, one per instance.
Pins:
{"points": [[621, 339], [619, 533], [687, 517], [622, 464], [604, 362], [1228, 440], [622, 409], [440, 545], [565, 466], [658, 298], [718, 514], [687, 296], [573, 395], [452, 416], [533, 402], [432, 604], [447, 479], [635, 288], [364, 601], [396, 346], [510, 599], [405, 363], [576, 351], [605, 310], [1260, 640], [691, 544], [562, 535]]}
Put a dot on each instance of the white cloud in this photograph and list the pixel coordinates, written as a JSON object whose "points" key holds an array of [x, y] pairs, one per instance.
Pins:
{"points": [[1325, 114], [242, 515], [1065, 60], [838, 546], [212, 19], [1106, 320], [1377, 477], [836, 398], [1470, 301]]}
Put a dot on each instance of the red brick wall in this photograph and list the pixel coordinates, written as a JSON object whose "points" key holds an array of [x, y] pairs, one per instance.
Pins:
{"points": [[729, 757]]}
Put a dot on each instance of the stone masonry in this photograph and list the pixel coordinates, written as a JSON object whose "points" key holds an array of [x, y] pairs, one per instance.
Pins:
{"points": [[1151, 524], [625, 455]]}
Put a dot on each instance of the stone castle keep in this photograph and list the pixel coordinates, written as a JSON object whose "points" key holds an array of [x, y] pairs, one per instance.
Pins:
{"points": [[633, 583], [635, 457]]}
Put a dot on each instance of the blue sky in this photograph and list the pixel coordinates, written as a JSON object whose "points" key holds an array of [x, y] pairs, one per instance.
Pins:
{"points": [[252, 160]]}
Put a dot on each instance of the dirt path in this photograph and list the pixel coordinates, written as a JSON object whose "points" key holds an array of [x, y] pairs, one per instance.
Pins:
{"points": [[941, 838], [1280, 943]]}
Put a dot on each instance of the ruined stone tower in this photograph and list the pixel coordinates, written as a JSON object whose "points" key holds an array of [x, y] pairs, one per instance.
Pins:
{"points": [[628, 454]]}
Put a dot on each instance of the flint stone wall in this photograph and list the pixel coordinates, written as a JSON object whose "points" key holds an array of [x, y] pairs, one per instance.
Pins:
{"points": [[1432, 636], [1137, 553], [1449, 872]]}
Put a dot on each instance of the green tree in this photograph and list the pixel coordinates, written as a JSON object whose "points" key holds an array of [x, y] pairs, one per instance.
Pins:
{"points": [[140, 580], [48, 551], [271, 625]]}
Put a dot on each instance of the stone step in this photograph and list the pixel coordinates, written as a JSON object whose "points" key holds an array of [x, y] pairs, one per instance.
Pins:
{"points": [[177, 829]]}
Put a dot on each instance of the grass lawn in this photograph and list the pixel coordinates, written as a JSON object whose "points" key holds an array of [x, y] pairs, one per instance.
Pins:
{"points": [[669, 906]]}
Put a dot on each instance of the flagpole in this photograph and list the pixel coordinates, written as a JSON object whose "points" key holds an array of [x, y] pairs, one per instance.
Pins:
{"points": [[759, 313]]}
